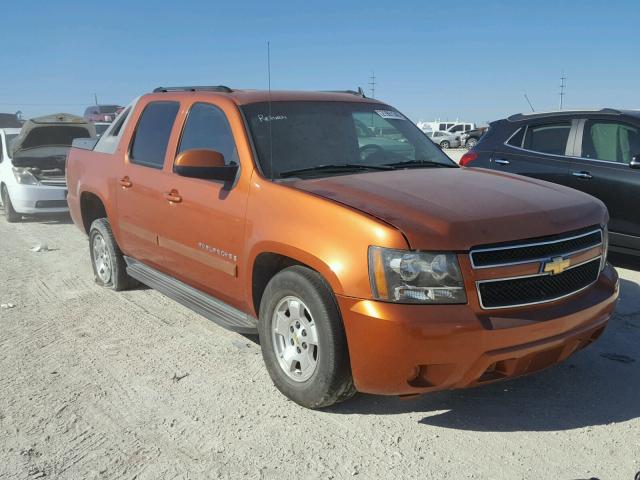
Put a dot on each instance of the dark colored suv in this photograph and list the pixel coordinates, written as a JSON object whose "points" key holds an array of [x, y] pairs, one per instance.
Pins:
{"points": [[597, 152]]}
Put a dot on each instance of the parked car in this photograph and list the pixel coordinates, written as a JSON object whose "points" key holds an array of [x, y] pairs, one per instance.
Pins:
{"points": [[455, 128], [10, 120], [444, 139], [101, 127], [595, 151], [389, 273], [470, 139], [102, 113], [32, 170]]}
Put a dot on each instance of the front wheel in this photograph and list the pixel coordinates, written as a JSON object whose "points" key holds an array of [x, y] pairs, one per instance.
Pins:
{"points": [[302, 337], [444, 144], [11, 215]]}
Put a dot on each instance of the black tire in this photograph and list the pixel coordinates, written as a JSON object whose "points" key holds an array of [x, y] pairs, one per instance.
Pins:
{"points": [[10, 214], [118, 279], [331, 382], [444, 144], [471, 142]]}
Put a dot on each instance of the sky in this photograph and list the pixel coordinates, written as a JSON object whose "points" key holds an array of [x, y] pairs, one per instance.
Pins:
{"points": [[442, 59]]}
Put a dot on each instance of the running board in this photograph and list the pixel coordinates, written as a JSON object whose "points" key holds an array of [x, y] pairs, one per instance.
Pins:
{"points": [[209, 307]]}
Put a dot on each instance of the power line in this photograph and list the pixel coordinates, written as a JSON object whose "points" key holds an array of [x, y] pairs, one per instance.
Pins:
{"points": [[43, 104]]}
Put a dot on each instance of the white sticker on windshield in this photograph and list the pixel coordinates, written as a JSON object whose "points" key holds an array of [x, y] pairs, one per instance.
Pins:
{"points": [[390, 114]]}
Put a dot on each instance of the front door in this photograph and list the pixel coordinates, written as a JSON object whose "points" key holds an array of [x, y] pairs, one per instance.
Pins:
{"points": [[537, 150], [141, 186], [202, 235], [602, 170]]}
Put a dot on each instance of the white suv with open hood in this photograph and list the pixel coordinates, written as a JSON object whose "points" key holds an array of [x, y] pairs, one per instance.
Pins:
{"points": [[32, 165]]}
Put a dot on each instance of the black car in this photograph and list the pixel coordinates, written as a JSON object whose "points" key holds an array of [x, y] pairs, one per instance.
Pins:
{"points": [[470, 139], [597, 152]]}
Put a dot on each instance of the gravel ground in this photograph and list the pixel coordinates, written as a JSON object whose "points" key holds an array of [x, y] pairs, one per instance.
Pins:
{"points": [[455, 153], [97, 384]]}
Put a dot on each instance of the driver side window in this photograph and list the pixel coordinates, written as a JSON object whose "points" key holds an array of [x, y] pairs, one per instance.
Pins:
{"points": [[378, 136], [207, 128]]}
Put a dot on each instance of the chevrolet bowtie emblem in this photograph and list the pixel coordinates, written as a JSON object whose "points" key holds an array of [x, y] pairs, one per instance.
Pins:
{"points": [[556, 265]]}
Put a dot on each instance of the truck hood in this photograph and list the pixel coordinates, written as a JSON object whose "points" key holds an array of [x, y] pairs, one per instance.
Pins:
{"points": [[459, 208]]}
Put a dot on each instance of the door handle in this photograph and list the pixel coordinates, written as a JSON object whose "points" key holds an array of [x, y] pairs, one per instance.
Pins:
{"points": [[173, 196], [500, 161], [125, 182], [584, 175]]}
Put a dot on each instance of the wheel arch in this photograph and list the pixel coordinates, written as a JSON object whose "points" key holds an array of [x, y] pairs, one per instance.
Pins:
{"points": [[269, 260], [92, 207]]}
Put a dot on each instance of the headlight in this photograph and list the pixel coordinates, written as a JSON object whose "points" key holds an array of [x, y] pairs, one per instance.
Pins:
{"points": [[24, 176], [405, 276]]}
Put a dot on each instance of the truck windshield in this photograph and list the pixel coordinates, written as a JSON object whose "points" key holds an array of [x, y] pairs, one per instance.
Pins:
{"points": [[307, 137]]}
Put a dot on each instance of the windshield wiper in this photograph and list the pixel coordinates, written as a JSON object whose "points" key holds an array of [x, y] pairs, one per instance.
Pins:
{"points": [[419, 164], [338, 167]]}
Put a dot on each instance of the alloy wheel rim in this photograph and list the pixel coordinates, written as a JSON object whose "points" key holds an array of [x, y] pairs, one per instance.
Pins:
{"points": [[295, 338], [101, 258]]}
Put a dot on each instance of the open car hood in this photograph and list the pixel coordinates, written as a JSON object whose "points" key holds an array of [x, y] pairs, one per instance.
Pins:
{"points": [[48, 136], [459, 208]]}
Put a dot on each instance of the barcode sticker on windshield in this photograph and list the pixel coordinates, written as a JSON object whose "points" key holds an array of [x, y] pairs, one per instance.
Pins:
{"points": [[390, 114]]}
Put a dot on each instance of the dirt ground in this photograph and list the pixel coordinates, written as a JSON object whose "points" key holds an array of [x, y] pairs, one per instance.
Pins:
{"points": [[97, 384]]}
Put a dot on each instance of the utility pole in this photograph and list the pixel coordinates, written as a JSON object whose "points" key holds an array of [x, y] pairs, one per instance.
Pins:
{"points": [[562, 87], [372, 84], [95, 98]]}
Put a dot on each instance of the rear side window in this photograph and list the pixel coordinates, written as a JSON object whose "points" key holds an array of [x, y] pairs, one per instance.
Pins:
{"points": [[610, 141], [549, 138], [149, 145], [207, 128], [115, 131], [516, 138]]}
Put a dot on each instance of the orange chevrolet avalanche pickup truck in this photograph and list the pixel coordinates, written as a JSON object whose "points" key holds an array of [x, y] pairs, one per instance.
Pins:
{"points": [[330, 224]]}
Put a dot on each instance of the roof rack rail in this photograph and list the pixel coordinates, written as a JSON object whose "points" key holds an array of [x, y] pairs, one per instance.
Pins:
{"points": [[358, 93], [204, 88], [521, 116]]}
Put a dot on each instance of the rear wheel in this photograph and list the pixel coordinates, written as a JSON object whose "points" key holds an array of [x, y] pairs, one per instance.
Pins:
{"points": [[472, 142], [445, 144], [108, 263], [11, 215], [303, 340]]}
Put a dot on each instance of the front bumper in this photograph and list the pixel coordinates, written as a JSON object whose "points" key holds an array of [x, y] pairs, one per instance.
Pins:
{"points": [[35, 199], [398, 349]]}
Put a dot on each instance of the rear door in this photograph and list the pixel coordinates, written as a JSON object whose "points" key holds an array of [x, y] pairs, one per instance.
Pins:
{"points": [[601, 168], [142, 183], [538, 150]]}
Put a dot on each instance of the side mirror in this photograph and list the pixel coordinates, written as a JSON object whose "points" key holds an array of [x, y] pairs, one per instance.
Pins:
{"points": [[635, 162], [204, 164]]}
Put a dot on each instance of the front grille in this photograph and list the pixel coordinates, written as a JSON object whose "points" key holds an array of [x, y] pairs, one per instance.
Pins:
{"points": [[530, 251], [54, 182], [521, 291], [51, 204]]}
